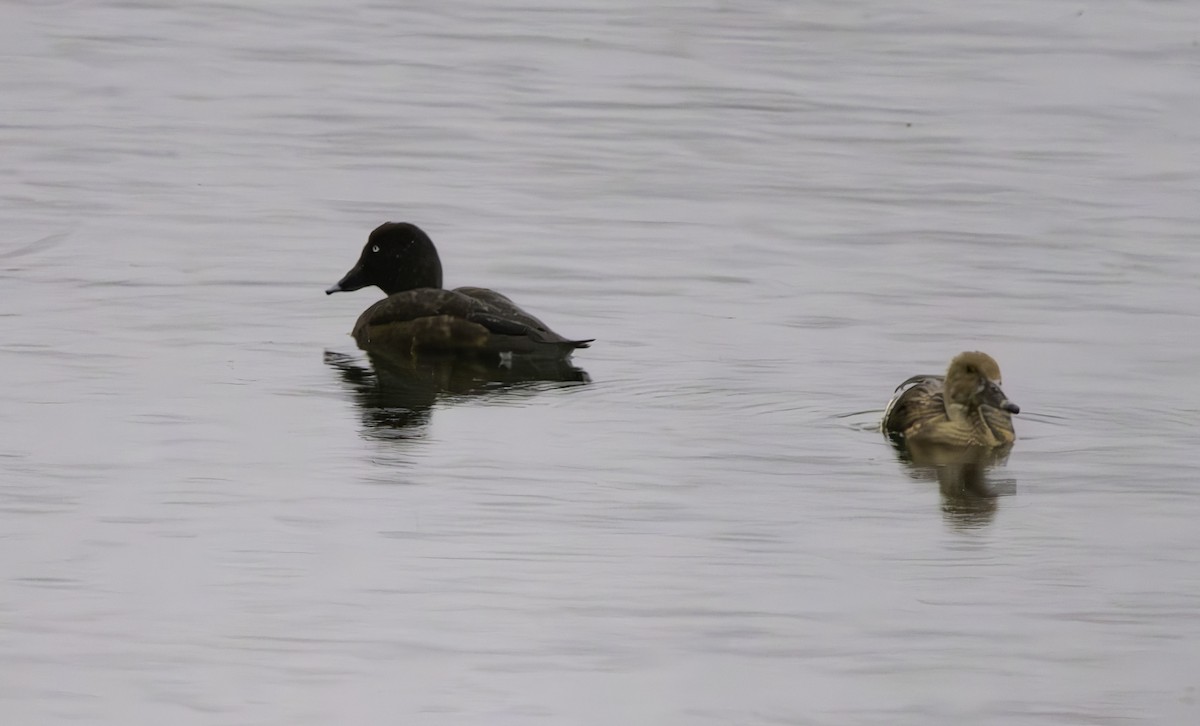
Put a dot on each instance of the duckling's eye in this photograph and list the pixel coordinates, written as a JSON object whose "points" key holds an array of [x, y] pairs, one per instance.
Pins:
{"points": [[970, 369], [375, 248]]}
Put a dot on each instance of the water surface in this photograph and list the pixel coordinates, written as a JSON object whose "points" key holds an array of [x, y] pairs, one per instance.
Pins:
{"points": [[215, 511]]}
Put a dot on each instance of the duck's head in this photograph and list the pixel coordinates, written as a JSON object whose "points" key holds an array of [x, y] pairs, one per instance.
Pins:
{"points": [[973, 380], [398, 256]]}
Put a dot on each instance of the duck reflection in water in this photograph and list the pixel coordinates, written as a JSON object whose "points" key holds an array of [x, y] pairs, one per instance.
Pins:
{"points": [[954, 428], [396, 394]]}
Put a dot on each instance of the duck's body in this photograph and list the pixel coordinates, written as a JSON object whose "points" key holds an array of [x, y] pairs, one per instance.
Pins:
{"points": [[419, 317], [964, 408], [463, 321]]}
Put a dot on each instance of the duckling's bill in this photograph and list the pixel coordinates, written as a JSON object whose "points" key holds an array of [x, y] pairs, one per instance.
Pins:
{"points": [[993, 395]]}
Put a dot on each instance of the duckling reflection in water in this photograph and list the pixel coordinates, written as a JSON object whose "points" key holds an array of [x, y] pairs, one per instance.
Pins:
{"points": [[968, 492]]}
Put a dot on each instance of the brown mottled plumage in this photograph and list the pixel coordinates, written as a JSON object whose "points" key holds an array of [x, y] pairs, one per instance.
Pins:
{"points": [[419, 317], [966, 407]]}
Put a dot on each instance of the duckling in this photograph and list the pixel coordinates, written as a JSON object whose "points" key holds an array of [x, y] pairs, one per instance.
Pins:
{"points": [[418, 317], [966, 407]]}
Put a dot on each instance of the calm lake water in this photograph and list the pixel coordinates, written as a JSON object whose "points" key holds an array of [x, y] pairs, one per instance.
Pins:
{"points": [[214, 511]]}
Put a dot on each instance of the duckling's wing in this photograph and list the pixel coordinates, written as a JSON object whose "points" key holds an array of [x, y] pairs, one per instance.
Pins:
{"points": [[1000, 422], [502, 316], [923, 378], [916, 402]]}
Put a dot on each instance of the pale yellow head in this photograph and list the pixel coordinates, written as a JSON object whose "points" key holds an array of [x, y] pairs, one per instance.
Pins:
{"points": [[973, 380]]}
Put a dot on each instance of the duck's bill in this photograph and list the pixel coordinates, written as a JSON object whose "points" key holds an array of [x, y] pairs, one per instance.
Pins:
{"points": [[994, 396], [354, 280]]}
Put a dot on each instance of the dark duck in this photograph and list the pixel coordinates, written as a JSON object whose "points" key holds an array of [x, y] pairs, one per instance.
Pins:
{"points": [[420, 318]]}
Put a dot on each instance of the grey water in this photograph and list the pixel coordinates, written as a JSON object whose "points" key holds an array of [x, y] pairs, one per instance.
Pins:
{"points": [[215, 510]]}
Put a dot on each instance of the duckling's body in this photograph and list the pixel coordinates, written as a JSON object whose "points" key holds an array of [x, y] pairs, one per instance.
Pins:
{"points": [[418, 317], [966, 407]]}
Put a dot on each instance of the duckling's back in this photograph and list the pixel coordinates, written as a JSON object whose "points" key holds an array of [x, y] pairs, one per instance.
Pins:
{"points": [[917, 401]]}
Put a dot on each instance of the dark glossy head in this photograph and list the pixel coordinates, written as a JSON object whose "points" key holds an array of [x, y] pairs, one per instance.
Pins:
{"points": [[398, 256], [973, 380]]}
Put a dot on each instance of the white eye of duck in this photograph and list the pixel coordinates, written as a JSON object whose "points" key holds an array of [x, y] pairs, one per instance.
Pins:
{"points": [[375, 248]]}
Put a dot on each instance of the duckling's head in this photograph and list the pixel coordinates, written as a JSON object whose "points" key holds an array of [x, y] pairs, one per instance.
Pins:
{"points": [[973, 380], [398, 256]]}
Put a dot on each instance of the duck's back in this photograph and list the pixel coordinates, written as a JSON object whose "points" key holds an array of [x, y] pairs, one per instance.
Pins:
{"points": [[505, 312], [464, 321]]}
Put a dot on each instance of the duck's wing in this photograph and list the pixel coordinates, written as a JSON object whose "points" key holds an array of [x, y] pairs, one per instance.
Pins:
{"points": [[462, 320], [412, 305], [426, 318], [502, 316], [916, 402]]}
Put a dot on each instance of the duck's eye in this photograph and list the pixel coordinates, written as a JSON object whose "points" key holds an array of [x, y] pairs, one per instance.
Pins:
{"points": [[375, 248], [970, 369]]}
